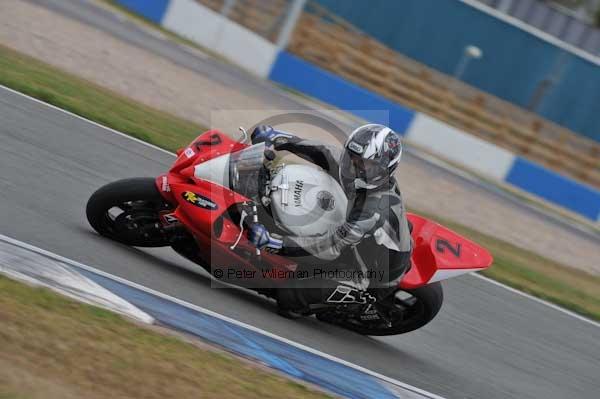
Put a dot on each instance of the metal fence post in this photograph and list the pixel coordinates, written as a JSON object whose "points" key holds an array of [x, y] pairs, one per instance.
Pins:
{"points": [[294, 13], [227, 7]]}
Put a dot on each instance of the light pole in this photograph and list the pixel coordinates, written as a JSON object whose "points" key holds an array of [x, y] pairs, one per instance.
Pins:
{"points": [[469, 53], [294, 13]]}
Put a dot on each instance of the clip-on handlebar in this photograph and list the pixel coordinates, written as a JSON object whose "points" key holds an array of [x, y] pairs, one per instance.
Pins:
{"points": [[254, 213]]}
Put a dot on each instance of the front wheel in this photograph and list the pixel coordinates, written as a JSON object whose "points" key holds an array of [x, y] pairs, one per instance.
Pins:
{"points": [[405, 311], [128, 211]]}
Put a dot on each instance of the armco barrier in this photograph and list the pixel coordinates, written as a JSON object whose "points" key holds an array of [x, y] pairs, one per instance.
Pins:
{"points": [[211, 30], [459, 147], [154, 10], [555, 188], [202, 25], [245, 48]]}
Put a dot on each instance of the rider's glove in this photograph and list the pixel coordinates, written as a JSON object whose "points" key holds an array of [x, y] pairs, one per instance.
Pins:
{"points": [[266, 134], [260, 237], [262, 134]]}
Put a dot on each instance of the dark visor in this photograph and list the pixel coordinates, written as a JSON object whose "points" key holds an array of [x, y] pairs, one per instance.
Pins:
{"points": [[354, 166]]}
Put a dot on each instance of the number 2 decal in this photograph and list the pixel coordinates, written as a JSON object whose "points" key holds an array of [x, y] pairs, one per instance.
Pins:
{"points": [[441, 245]]}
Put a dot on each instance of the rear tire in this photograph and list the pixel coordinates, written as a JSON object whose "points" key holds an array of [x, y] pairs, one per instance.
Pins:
{"points": [[427, 303], [139, 201]]}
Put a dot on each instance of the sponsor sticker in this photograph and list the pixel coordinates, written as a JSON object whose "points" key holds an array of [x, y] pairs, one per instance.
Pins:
{"points": [[326, 200], [189, 152], [199, 201], [355, 147], [165, 185], [298, 187]]}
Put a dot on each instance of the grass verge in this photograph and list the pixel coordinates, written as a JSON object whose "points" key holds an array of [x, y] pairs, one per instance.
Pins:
{"points": [[54, 347], [84, 98], [516, 267]]}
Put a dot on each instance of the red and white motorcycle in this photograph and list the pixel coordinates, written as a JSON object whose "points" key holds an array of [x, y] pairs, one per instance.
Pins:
{"points": [[203, 205]]}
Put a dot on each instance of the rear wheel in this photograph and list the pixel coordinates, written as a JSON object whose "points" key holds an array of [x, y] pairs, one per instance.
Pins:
{"points": [[128, 211], [405, 311]]}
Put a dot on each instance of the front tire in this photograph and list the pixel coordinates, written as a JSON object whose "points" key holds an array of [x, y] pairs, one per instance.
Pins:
{"points": [[127, 211]]}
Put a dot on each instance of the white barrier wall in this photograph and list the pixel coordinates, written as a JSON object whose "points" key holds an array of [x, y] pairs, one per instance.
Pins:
{"points": [[461, 148], [211, 30]]}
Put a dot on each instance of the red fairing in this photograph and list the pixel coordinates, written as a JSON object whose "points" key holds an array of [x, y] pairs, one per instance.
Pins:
{"points": [[202, 207], [208, 145], [441, 253]]}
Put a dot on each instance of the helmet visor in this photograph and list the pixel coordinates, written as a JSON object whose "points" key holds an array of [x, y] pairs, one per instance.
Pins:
{"points": [[371, 172]]}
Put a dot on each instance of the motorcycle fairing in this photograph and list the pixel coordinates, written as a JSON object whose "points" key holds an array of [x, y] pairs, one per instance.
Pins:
{"points": [[440, 253], [215, 230], [208, 145]]}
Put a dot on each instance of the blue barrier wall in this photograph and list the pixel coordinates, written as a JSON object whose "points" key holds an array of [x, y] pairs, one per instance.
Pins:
{"points": [[558, 189], [154, 10], [327, 87], [316, 82], [514, 63]]}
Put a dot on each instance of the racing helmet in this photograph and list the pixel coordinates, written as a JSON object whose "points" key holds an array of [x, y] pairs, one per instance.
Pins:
{"points": [[371, 154]]}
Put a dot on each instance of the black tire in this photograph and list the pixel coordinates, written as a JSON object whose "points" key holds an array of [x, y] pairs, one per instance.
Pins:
{"points": [[140, 190], [428, 303]]}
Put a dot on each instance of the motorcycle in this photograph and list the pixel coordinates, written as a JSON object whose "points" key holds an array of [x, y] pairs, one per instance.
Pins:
{"points": [[217, 187]]}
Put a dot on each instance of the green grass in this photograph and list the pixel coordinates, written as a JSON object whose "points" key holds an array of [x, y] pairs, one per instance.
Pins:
{"points": [[53, 347], [91, 101], [514, 266]]}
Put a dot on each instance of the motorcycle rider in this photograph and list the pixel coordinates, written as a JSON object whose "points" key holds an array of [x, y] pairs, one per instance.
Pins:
{"points": [[376, 217]]}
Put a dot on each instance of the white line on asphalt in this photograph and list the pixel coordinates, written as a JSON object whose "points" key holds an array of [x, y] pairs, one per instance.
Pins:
{"points": [[219, 316], [86, 120], [541, 301]]}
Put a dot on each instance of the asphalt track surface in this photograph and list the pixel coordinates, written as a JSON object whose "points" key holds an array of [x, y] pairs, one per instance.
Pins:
{"points": [[487, 341]]}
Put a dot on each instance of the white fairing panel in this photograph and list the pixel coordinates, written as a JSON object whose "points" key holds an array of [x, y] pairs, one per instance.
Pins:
{"points": [[215, 170], [444, 274], [305, 200]]}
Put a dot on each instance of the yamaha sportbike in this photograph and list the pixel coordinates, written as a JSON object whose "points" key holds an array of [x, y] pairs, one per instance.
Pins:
{"points": [[217, 187]]}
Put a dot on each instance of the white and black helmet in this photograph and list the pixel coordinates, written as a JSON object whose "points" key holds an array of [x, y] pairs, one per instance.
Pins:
{"points": [[372, 153]]}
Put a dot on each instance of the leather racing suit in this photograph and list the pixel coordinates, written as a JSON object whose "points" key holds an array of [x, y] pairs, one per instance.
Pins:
{"points": [[375, 236]]}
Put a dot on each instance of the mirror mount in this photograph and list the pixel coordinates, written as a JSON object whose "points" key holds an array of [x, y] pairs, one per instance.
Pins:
{"points": [[244, 137]]}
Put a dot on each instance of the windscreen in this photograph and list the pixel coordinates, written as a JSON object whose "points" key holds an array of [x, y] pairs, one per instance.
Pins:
{"points": [[246, 174]]}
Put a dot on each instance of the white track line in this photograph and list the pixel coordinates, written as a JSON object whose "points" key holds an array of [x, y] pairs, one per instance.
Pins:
{"points": [[538, 300], [86, 120], [219, 316]]}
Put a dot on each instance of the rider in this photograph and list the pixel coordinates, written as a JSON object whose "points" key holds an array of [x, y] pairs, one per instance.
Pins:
{"points": [[376, 215]]}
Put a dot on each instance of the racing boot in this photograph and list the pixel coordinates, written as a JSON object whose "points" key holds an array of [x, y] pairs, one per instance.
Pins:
{"points": [[294, 302]]}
